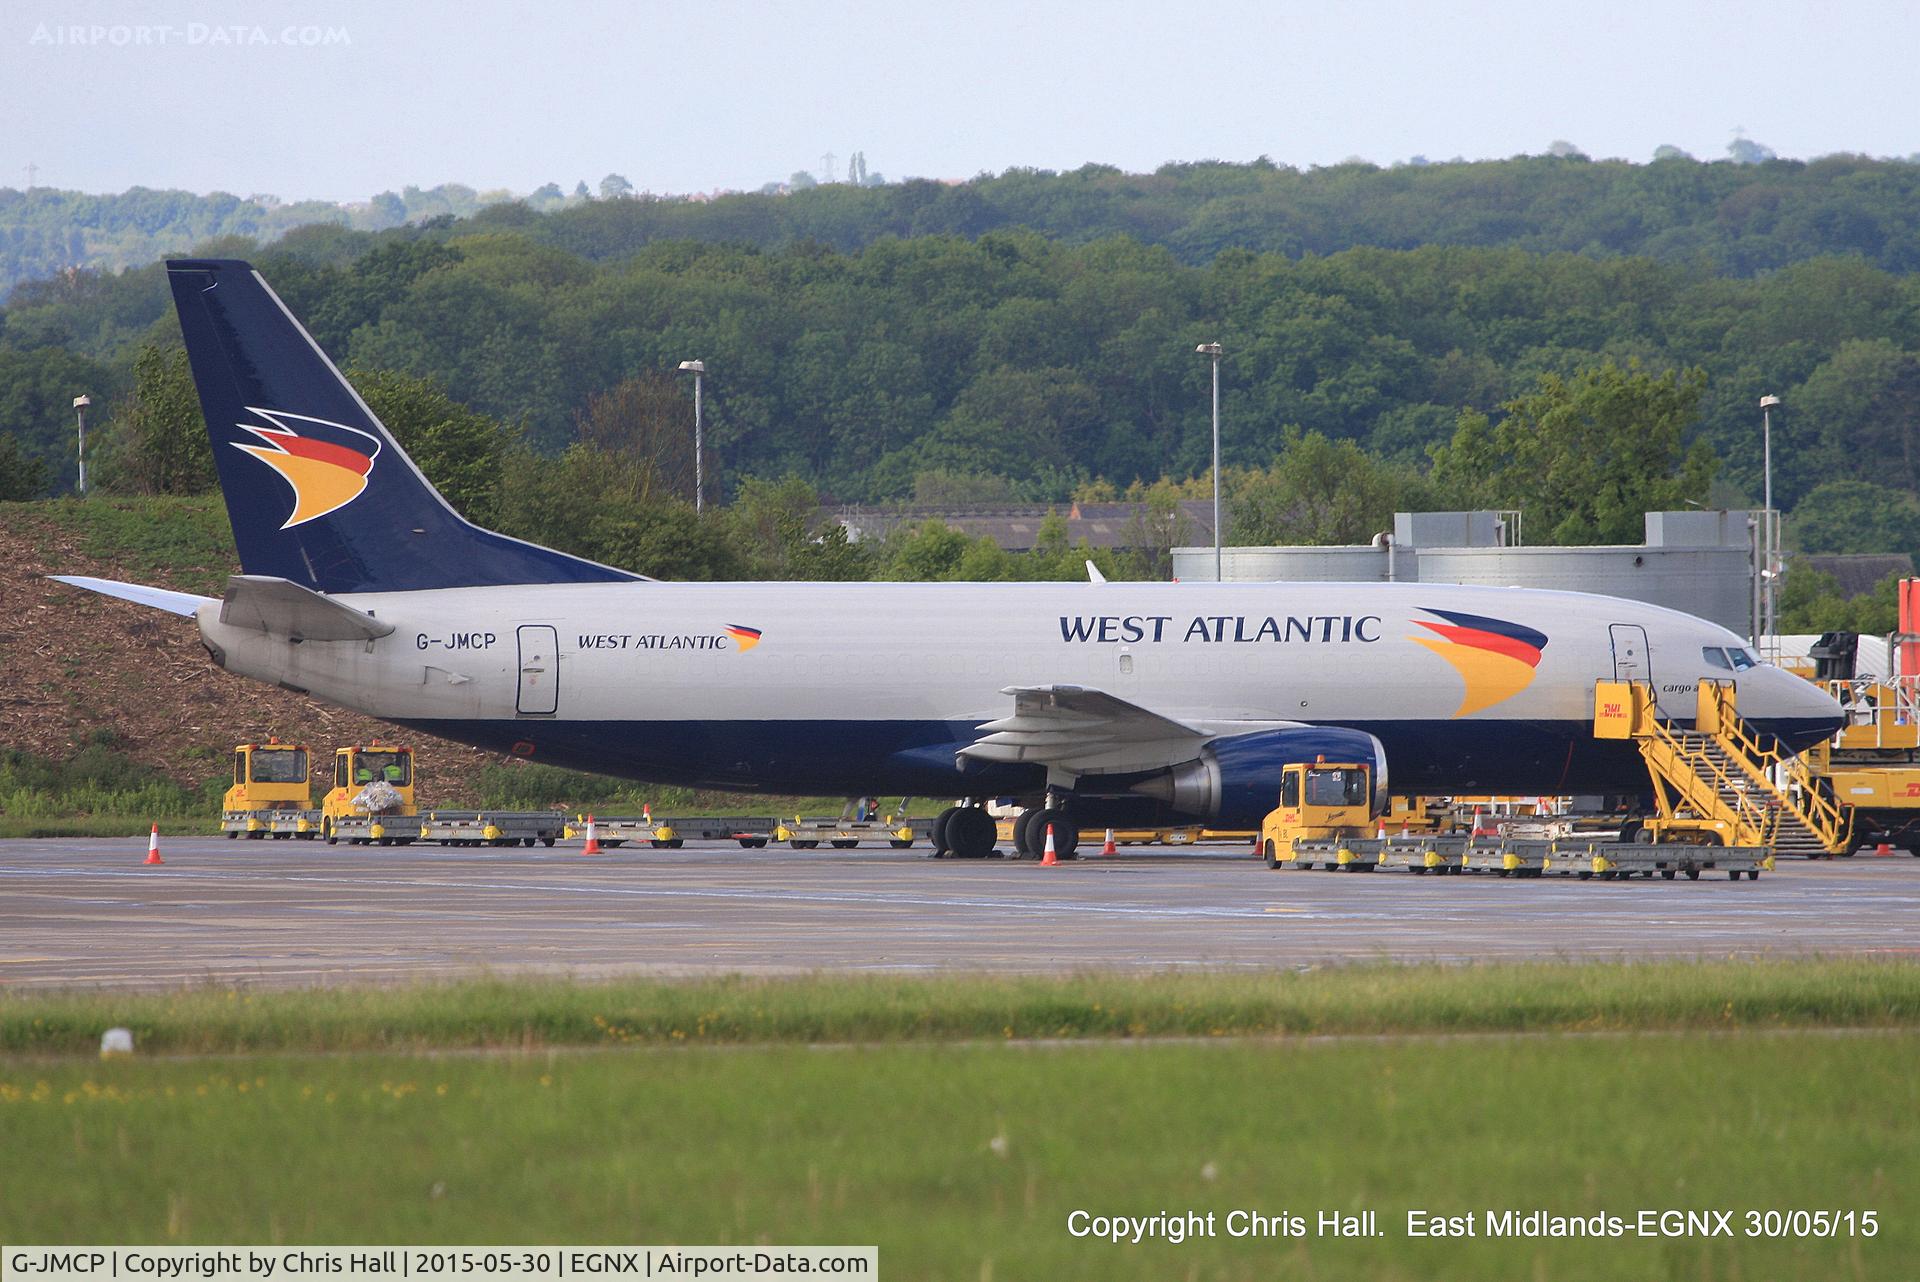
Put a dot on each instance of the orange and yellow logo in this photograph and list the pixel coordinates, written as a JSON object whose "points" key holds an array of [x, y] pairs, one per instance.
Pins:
{"points": [[744, 638], [327, 464], [1495, 658]]}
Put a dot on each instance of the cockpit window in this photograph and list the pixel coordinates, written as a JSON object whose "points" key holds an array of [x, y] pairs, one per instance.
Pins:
{"points": [[1728, 658]]}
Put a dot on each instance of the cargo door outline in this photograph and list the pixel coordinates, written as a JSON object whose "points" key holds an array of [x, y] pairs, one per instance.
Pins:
{"points": [[539, 693], [1632, 660]]}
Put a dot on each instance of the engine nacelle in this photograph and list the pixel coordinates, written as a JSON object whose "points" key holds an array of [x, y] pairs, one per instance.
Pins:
{"points": [[1236, 781]]}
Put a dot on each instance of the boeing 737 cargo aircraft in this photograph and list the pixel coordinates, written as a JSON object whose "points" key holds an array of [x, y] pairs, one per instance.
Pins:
{"points": [[1107, 703]]}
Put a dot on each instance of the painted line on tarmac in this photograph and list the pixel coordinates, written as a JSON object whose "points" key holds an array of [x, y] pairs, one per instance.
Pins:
{"points": [[1021, 907]]}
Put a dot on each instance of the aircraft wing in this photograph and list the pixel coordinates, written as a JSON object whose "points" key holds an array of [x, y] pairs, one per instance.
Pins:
{"points": [[1073, 730]]}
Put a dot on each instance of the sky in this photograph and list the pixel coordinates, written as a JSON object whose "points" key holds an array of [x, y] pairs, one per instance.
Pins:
{"points": [[340, 99]]}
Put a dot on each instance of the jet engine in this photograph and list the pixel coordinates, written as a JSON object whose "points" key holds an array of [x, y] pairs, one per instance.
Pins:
{"points": [[1236, 780]]}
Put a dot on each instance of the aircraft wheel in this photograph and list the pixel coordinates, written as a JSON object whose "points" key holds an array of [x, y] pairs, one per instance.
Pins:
{"points": [[970, 833], [939, 834], [1066, 835], [1024, 845]]}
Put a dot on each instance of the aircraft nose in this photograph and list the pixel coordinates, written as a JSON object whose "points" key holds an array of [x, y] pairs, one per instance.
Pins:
{"points": [[1807, 709]]}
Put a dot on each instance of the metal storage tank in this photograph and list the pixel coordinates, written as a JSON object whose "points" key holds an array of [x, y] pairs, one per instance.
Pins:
{"points": [[1699, 562], [1711, 583], [1359, 563]]}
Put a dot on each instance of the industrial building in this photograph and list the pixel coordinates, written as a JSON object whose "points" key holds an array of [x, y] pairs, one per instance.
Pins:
{"points": [[1702, 562]]}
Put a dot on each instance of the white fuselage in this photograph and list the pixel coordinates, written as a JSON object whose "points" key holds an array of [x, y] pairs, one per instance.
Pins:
{"points": [[860, 687]]}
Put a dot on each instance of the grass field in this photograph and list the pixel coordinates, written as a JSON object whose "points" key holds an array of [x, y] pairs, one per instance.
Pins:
{"points": [[957, 1124], [964, 1161], [1525, 997]]}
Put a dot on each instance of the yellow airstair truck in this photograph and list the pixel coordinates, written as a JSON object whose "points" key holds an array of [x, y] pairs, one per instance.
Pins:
{"points": [[371, 801], [271, 795]]}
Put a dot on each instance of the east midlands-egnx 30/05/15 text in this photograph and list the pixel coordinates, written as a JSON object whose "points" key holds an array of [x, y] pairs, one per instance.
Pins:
{"points": [[362, 586]]}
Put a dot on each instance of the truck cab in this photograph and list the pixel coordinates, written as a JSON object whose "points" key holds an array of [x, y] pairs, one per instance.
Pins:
{"points": [[1319, 800], [357, 768], [270, 781]]}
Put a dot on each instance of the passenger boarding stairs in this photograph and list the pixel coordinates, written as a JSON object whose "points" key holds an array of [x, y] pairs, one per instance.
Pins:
{"points": [[1720, 778]]}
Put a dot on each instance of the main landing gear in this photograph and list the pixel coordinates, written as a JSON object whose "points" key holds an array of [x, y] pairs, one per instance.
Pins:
{"points": [[1030, 833], [969, 832], [963, 832]]}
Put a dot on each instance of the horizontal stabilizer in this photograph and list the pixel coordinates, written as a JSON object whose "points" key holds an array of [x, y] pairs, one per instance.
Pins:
{"points": [[159, 598], [284, 609]]}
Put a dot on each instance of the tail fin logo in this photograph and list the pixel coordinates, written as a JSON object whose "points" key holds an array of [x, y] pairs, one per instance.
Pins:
{"points": [[1495, 658], [326, 464]]}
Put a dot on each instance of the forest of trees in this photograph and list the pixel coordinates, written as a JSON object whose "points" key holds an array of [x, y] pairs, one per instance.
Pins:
{"points": [[45, 231], [1392, 337], [1732, 218]]}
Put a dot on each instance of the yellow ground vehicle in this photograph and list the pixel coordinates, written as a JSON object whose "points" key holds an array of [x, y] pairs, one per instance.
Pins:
{"points": [[271, 794], [356, 769], [1873, 764], [1318, 801]]}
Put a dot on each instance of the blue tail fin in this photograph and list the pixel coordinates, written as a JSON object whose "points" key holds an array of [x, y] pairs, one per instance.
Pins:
{"points": [[317, 490]]}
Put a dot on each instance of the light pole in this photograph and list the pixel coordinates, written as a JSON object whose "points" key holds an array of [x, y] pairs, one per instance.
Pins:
{"points": [[1212, 352], [697, 369], [80, 404], [1771, 526]]}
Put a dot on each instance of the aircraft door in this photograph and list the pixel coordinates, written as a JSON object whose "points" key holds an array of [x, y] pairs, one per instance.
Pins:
{"points": [[539, 670], [1631, 658]]}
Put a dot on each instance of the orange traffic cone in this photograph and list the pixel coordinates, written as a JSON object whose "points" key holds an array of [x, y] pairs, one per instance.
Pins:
{"points": [[1883, 849], [1109, 848], [1382, 835], [593, 840], [1049, 859], [153, 847], [1479, 829]]}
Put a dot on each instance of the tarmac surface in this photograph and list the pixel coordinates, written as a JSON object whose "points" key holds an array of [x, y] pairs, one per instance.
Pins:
{"points": [[86, 913]]}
